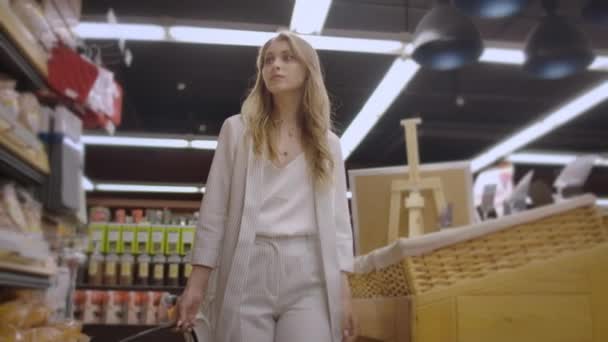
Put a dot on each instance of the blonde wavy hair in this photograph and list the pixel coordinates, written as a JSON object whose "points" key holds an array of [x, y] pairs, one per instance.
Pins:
{"points": [[315, 118]]}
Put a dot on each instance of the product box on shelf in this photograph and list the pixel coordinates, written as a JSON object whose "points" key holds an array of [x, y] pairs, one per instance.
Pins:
{"points": [[97, 237], [138, 307], [157, 240], [186, 240], [117, 307], [95, 307], [142, 239], [120, 307], [172, 240], [152, 308], [127, 239], [113, 238]]}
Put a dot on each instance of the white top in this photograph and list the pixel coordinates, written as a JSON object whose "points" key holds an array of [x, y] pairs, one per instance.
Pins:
{"points": [[288, 207]]}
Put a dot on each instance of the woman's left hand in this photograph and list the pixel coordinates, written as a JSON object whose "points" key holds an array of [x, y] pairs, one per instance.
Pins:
{"points": [[349, 323]]}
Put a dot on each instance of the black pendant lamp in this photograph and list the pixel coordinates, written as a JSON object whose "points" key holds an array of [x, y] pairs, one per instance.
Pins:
{"points": [[596, 11], [491, 8], [556, 48], [446, 39]]}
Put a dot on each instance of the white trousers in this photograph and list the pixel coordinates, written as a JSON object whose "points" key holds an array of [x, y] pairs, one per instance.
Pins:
{"points": [[284, 299]]}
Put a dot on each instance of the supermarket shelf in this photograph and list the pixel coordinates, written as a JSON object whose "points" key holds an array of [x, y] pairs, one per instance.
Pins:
{"points": [[45, 271], [20, 275], [18, 248], [20, 50], [170, 289], [17, 168], [22, 155], [24, 280], [27, 60], [116, 202]]}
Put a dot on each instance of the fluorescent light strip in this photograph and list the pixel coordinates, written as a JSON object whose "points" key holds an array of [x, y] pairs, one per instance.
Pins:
{"points": [[517, 57], [379, 46], [203, 35], [117, 187], [600, 63], [134, 141], [121, 31], [87, 184], [208, 35], [543, 126], [189, 34], [204, 144], [149, 142], [395, 80], [539, 158], [309, 16], [502, 56]]}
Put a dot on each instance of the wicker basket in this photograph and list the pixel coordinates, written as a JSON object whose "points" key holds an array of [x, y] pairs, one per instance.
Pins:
{"points": [[516, 246]]}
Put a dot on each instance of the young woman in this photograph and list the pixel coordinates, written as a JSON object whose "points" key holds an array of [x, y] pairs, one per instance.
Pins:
{"points": [[274, 223]]}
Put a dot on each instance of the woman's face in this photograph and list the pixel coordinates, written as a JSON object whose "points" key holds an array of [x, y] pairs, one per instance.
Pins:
{"points": [[282, 71]]}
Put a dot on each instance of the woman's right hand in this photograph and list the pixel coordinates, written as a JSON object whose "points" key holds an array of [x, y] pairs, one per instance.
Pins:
{"points": [[189, 303]]}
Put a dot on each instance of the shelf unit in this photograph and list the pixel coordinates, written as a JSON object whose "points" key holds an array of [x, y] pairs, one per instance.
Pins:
{"points": [[170, 289], [19, 168], [22, 155], [143, 203], [27, 60], [13, 279], [15, 273], [24, 261], [21, 50]]}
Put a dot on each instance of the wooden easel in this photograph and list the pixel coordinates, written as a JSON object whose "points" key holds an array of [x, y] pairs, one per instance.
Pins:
{"points": [[413, 186]]}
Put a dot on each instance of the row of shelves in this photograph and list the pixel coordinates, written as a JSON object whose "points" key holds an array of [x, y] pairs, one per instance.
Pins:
{"points": [[20, 50], [171, 289], [15, 272], [23, 158]]}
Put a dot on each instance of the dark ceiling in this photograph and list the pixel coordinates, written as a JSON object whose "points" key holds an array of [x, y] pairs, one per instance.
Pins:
{"points": [[498, 99]]}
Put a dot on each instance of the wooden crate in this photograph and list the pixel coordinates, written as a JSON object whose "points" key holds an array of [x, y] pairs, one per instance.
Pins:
{"points": [[510, 243], [504, 280], [383, 319]]}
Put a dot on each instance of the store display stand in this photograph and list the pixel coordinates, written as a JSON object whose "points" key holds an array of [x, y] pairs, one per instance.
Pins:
{"points": [[413, 187]]}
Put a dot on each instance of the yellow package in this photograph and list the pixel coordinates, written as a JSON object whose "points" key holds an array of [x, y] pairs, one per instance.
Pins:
{"points": [[9, 333], [23, 315], [43, 334]]}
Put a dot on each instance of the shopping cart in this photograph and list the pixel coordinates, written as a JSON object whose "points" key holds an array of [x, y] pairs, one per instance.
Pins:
{"points": [[199, 333], [188, 337]]}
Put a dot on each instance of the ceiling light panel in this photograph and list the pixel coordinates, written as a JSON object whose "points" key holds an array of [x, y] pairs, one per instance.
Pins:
{"points": [[565, 113], [134, 141], [395, 80], [550, 158], [144, 32], [118, 187], [205, 35], [309, 16]]}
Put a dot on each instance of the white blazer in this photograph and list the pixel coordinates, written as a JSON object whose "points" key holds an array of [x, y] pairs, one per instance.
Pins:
{"points": [[227, 227]]}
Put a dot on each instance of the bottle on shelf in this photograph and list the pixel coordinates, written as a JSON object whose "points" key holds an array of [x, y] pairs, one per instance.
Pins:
{"points": [[158, 270], [111, 267], [127, 265], [173, 265], [186, 269], [143, 269], [96, 269]]}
